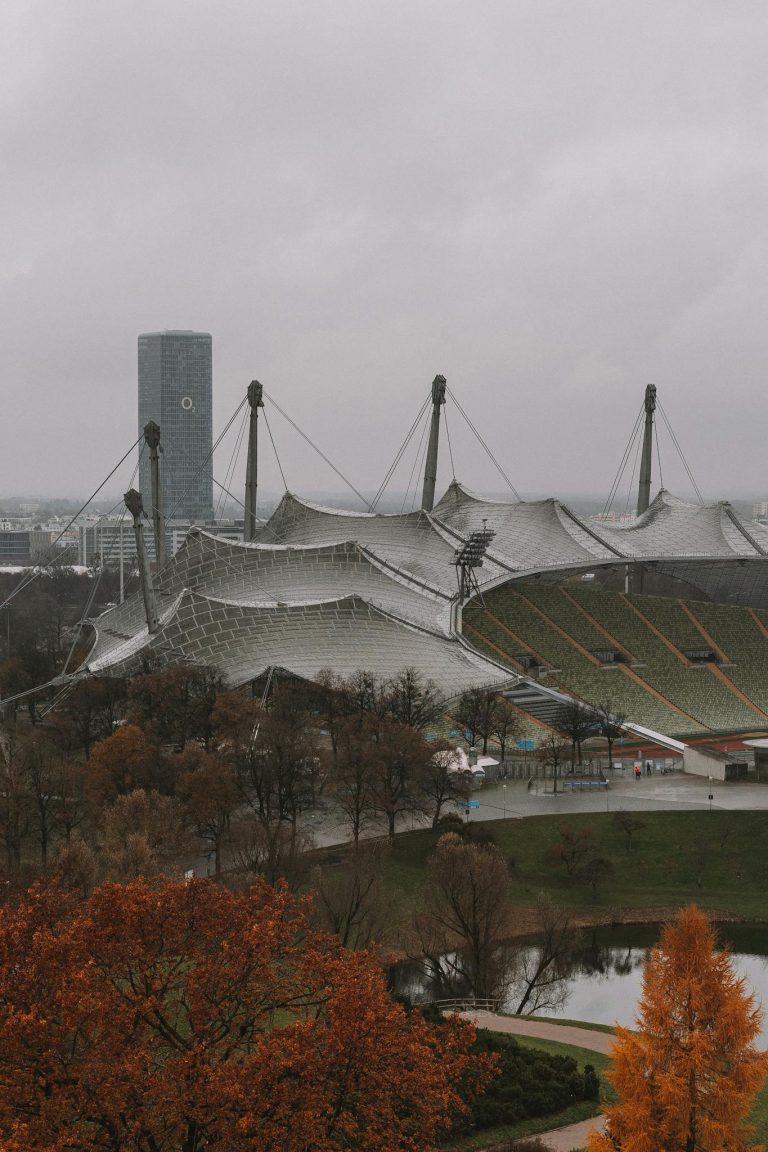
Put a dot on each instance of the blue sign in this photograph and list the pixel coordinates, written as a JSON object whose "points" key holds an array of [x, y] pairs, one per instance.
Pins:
{"points": [[526, 745], [473, 803]]}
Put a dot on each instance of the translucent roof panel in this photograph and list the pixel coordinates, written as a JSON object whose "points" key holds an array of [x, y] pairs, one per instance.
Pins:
{"points": [[673, 527], [529, 533], [346, 635], [119, 625], [262, 574], [410, 541]]}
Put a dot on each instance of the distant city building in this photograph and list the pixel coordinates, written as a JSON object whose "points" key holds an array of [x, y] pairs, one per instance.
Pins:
{"points": [[760, 510], [104, 540], [175, 390], [231, 530], [109, 541], [20, 547]]}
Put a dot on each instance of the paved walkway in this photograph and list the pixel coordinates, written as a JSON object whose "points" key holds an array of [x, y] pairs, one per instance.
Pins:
{"points": [[573, 1135], [676, 792]]}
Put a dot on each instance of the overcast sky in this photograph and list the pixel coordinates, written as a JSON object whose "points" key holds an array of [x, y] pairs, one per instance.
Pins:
{"points": [[551, 203]]}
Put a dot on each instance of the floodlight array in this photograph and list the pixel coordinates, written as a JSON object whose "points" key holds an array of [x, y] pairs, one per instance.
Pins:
{"points": [[471, 554]]}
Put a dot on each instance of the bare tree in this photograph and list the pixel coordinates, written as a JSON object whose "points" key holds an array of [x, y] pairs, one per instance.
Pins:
{"points": [[412, 700], [610, 720], [178, 701], [278, 778], [540, 971], [15, 811], [331, 704], [573, 848], [505, 724], [350, 897], [581, 857], [90, 712], [475, 710], [398, 759], [578, 722], [466, 908], [438, 778], [553, 753], [628, 824], [351, 778], [41, 766]]}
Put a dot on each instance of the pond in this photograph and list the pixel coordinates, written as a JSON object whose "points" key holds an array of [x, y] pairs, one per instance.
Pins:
{"points": [[602, 983]]}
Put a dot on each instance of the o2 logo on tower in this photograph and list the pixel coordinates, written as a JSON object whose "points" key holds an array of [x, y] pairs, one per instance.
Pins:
{"points": [[186, 404]]}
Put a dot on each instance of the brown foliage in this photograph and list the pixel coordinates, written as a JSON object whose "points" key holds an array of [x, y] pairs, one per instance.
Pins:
{"points": [[686, 1078], [211, 796], [141, 834], [125, 760], [183, 1016], [176, 702]]}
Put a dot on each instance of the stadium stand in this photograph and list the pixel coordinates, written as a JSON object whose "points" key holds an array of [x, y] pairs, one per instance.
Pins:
{"points": [[507, 611], [695, 689], [672, 620], [738, 634]]}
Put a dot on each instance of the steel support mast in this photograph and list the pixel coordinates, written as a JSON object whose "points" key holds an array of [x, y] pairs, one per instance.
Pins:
{"points": [[644, 490], [152, 438], [135, 506], [430, 468], [255, 392]]}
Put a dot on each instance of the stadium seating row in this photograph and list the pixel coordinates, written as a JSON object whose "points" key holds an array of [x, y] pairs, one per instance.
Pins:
{"points": [[573, 671], [550, 621]]}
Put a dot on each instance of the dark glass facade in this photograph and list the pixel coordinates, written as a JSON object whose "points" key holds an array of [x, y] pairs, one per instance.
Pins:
{"points": [[175, 390]]}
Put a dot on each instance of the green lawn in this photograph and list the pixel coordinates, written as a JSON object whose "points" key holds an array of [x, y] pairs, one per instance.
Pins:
{"points": [[718, 860]]}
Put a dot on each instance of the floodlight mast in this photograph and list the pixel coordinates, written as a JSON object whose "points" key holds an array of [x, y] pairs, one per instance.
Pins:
{"points": [[430, 468], [152, 438], [644, 490], [135, 506], [255, 400], [470, 557]]}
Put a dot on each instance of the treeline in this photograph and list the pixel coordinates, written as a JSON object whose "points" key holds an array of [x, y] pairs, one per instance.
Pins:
{"points": [[140, 776], [37, 626]]}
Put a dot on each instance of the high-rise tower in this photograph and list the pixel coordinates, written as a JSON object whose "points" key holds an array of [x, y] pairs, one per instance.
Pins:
{"points": [[175, 390]]}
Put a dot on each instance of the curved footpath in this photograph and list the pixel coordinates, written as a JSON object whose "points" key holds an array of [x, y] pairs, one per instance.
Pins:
{"points": [[574, 1135]]}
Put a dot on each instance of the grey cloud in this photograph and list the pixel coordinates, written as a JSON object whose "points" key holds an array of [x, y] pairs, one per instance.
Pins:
{"points": [[551, 203]]}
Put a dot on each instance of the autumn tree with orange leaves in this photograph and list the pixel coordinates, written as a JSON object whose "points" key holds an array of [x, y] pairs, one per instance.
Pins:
{"points": [[686, 1078], [182, 1017]]}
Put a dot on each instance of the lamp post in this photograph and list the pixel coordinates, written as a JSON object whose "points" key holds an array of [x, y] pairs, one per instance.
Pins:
{"points": [[504, 799]]}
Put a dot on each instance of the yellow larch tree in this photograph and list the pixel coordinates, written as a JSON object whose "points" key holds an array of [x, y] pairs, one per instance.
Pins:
{"points": [[687, 1077]]}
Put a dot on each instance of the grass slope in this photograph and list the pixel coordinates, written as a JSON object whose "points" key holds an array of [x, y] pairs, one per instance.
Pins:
{"points": [[718, 860]]}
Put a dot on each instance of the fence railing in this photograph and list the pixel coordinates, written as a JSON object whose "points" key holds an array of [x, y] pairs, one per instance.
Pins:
{"points": [[467, 1004]]}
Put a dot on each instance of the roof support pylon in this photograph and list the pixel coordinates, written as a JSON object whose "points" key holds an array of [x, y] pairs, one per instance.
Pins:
{"points": [[135, 506], [644, 490], [255, 400], [152, 438], [430, 468]]}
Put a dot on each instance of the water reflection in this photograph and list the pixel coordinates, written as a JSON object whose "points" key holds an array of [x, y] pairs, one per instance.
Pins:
{"points": [[600, 982]]}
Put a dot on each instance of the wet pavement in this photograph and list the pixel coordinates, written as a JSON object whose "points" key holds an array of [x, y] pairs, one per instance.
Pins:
{"points": [[515, 800]]}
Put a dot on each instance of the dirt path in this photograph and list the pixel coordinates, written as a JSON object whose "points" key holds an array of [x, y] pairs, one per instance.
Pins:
{"points": [[574, 1135], [563, 1033]]}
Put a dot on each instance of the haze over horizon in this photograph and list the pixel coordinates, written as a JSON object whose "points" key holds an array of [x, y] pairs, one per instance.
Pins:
{"points": [[552, 205]]}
